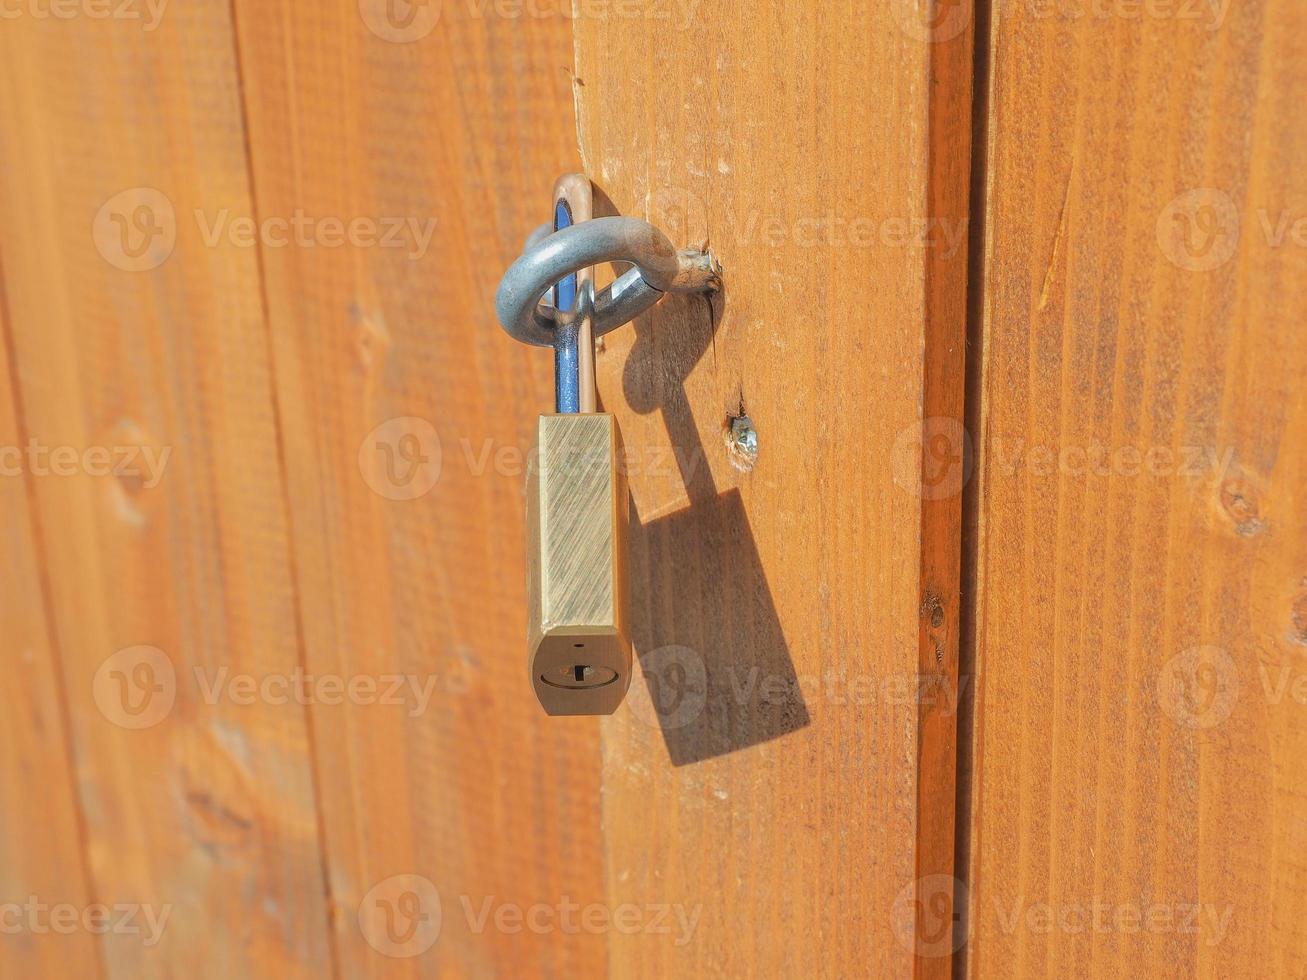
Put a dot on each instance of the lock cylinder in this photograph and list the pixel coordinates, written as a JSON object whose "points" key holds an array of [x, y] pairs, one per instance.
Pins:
{"points": [[577, 508]]}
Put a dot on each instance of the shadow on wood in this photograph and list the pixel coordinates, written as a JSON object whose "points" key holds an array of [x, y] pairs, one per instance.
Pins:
{"points": [[704, 626]]}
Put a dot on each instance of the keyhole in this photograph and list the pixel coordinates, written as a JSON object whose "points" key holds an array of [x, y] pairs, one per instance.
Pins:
{"points": [[576, 677]]}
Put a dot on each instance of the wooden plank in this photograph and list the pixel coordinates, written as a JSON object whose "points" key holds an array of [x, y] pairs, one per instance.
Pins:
{"points": [[164, 571], [775, 778], [392, 357], [40, 851], [1141, 767]]}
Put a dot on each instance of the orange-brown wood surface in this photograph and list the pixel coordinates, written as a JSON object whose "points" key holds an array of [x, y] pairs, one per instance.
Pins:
{"points": [[161, 571], [170, 567], [264, 695], [791, 724], [40, 849], [412, 562], [263, 240], [1139, 794]]}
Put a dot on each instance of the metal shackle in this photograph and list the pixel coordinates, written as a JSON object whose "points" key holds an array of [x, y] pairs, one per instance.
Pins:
{"points": [[552, 256]]}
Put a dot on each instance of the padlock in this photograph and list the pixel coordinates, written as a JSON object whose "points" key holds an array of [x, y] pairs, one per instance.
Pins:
{"points": [[579, 647], [579, 650], [578, 643]]}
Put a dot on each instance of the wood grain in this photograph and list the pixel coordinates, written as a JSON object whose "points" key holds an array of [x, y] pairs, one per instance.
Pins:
{"points": [[201, 809], [41, 852], [413, 562], [1141, 757], [330, 193], [776, 777]]}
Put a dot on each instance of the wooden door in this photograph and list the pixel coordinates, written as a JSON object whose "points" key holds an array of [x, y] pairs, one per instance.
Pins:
{"points": [[924, 686], [1136, 778]]}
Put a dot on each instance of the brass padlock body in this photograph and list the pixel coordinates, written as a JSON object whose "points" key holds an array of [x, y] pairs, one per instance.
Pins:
{"points": [[579, 647]]}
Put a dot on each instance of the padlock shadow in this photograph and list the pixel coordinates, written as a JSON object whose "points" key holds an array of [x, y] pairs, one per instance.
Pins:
{"points": [[717, 669]]}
